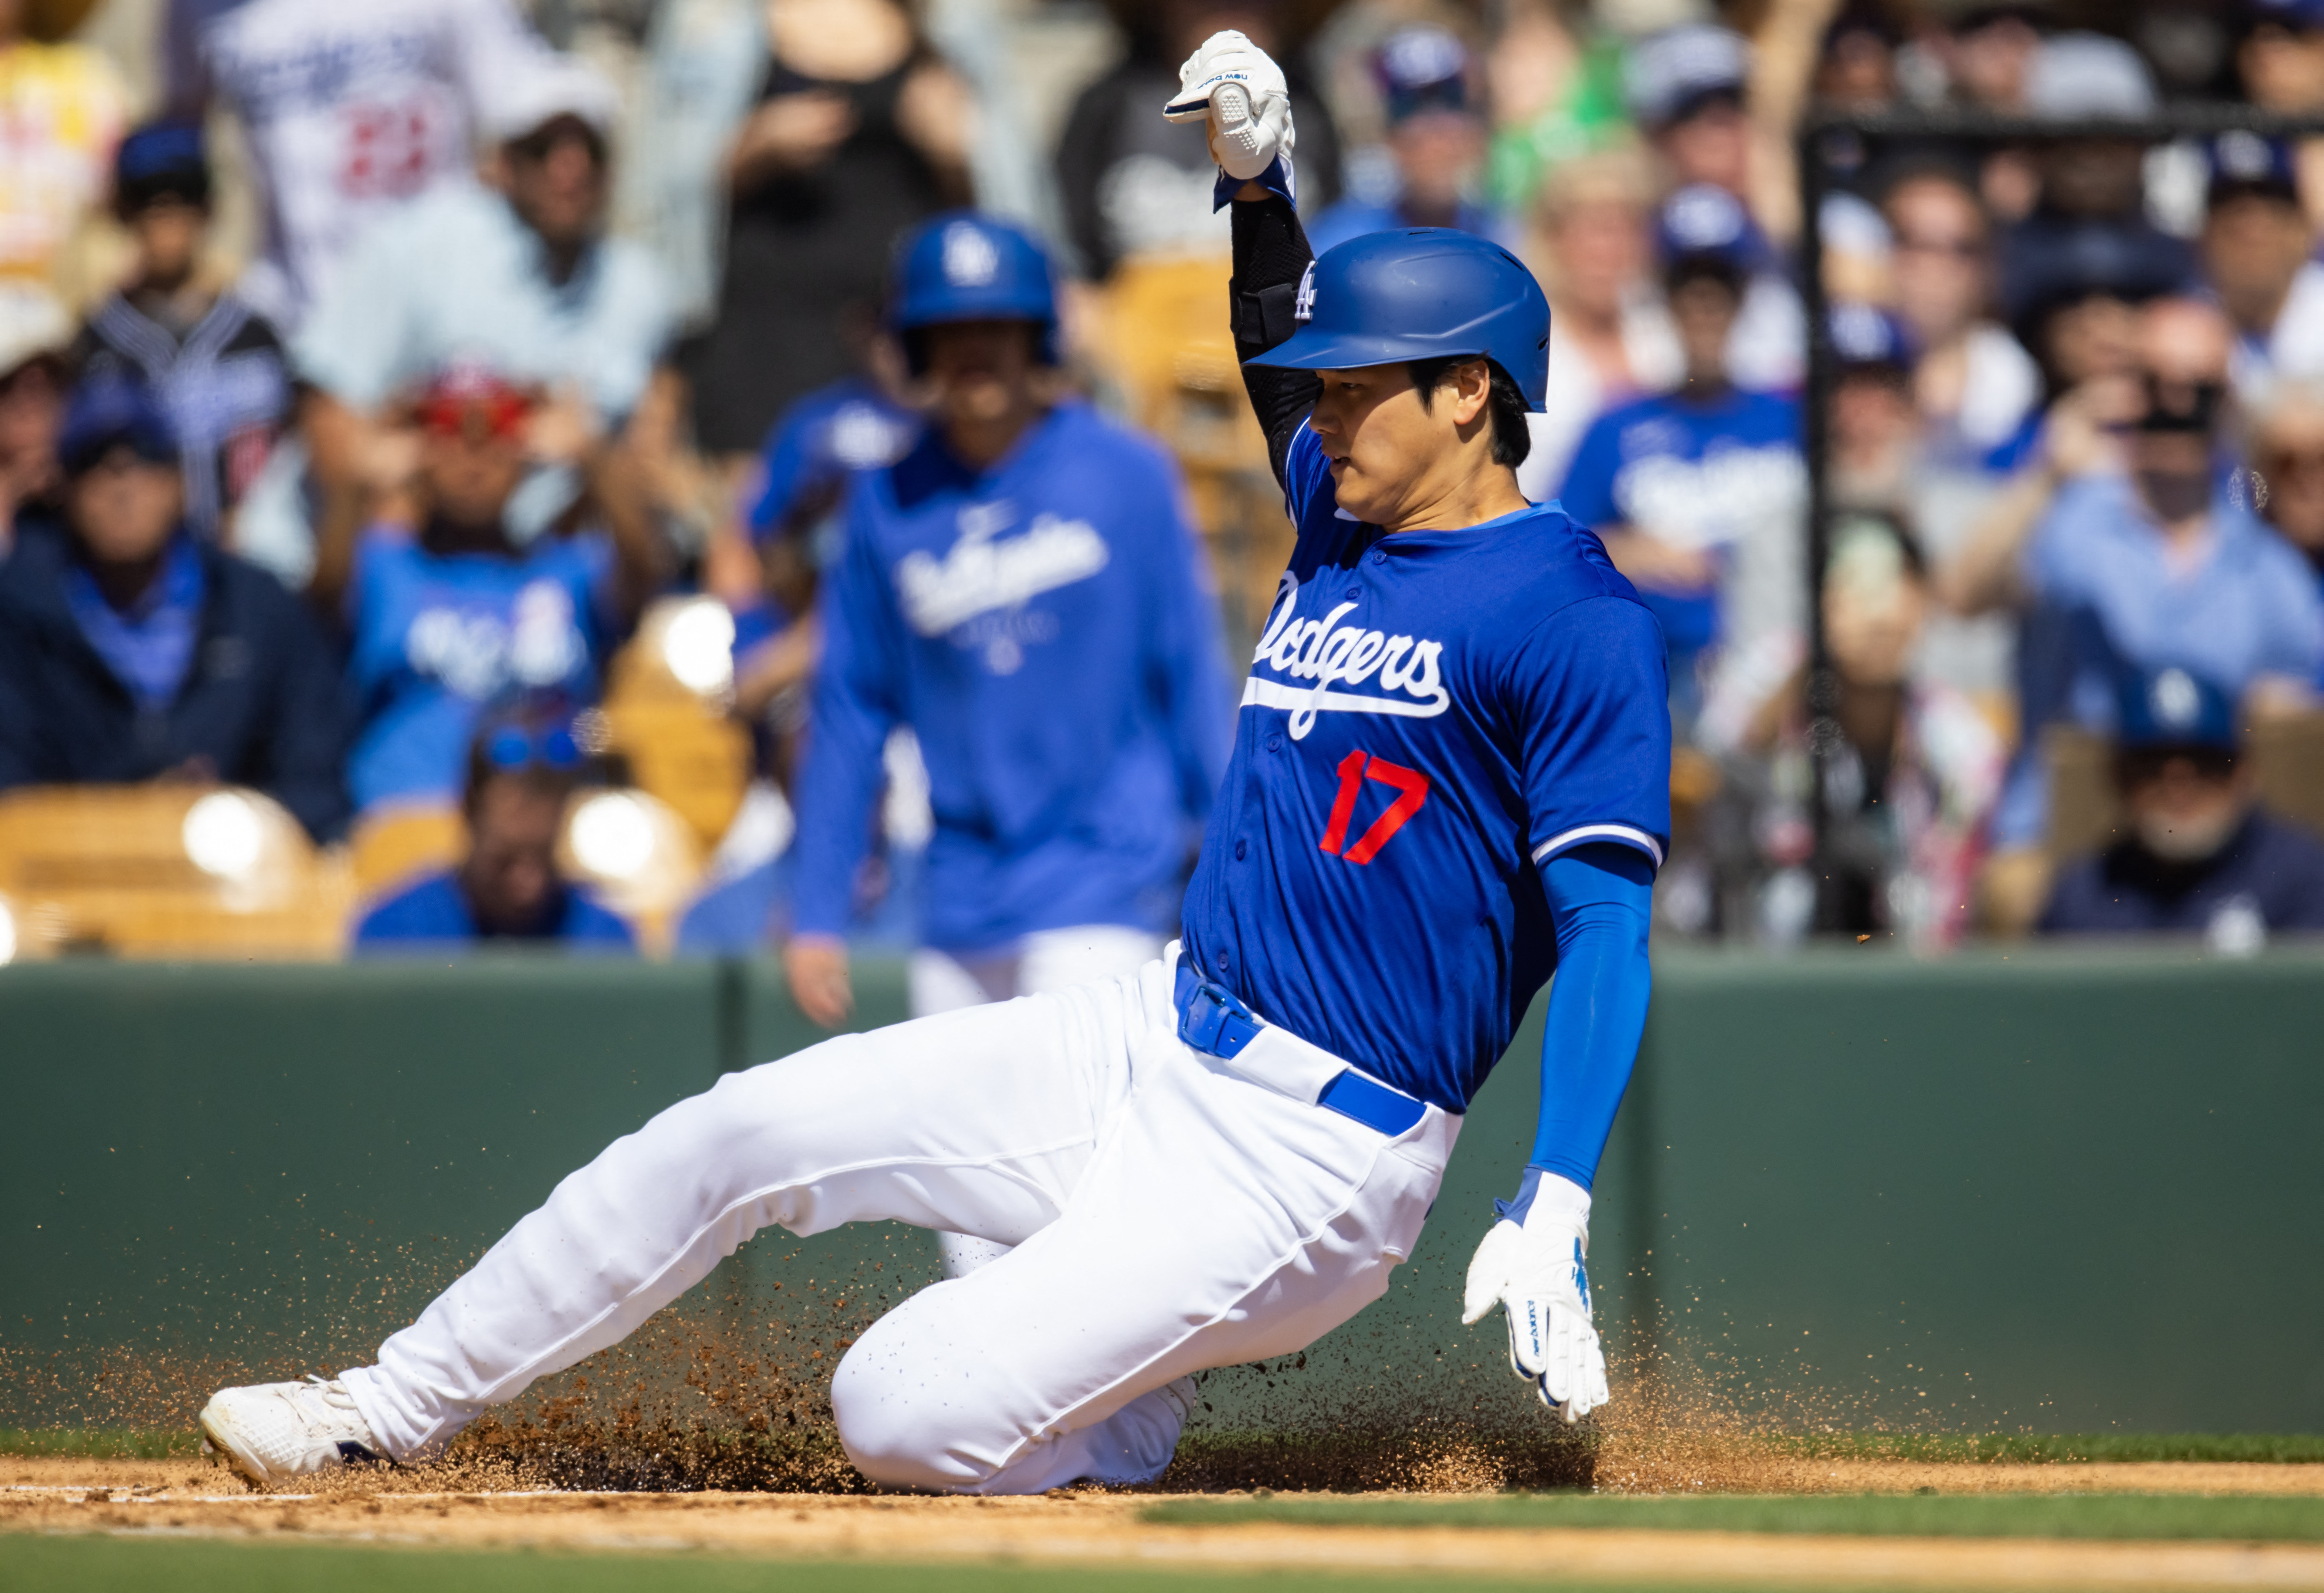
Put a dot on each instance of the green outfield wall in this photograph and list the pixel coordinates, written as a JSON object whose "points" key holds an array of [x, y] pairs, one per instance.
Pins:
{"points": [[2054, 1191]]}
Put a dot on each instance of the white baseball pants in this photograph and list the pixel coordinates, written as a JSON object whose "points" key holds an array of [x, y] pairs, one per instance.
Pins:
{"points": [[1169, 1214], [1045, 960]]}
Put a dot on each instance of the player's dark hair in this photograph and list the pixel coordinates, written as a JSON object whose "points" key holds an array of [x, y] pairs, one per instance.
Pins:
{"points": [[1512, 440]]}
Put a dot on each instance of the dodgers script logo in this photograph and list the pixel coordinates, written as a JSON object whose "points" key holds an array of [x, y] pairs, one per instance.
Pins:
{"points": [[981, 576], [1328, 653]]}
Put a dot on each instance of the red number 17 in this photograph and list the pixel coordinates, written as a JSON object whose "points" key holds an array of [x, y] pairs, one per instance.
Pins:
{"points": [[1412, 789]]}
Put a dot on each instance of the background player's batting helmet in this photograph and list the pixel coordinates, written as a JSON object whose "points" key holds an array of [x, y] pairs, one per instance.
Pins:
{"points": [[962, 265], [1421, 293]]}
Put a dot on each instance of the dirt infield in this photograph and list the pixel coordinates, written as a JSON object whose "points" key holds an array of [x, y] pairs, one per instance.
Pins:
{"points": [[182, 1496]]}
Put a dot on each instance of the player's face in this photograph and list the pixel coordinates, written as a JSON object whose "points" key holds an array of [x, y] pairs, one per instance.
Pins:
{"points": [[983, 371], [1390, 454], [511, 864]]}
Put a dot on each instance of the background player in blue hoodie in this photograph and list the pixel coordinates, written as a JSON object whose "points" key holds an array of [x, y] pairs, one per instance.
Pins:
{"points": [[1451, 776], [1023, 590]]}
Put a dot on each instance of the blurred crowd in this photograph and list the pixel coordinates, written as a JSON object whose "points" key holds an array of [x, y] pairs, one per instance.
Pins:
{"points": [[438, 420]]}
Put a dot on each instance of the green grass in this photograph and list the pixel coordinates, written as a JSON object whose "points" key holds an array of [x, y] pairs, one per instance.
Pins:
{"points": [[99, 1443], [197, 1565], [1949, 1515], [2304, 1448]]}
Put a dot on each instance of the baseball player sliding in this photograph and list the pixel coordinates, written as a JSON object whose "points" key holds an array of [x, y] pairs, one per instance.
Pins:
{"points": [[1450, 778]]}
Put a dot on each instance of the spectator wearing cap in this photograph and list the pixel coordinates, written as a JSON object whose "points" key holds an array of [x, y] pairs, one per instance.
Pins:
{"points": [[31, 409], [2201, 857], [1874, 427], [1699, 494], [2089, 224], [132, 650], [1437, 136], [523, 766], [2256, 251], [517, 276], [445, 618], [349, 111], [1974, 383], [1766, 351], [213, 361], [1686, 88]]}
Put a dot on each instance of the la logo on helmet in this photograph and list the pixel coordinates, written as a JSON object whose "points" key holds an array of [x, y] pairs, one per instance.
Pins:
{"points": [[1304, 307], [970, 258]]}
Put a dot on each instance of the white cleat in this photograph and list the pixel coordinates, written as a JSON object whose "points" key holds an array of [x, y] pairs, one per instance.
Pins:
{"points": [[272, 1432]]}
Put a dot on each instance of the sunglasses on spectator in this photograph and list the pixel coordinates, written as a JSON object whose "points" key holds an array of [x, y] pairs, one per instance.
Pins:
{"points": [[500, 415], [513, 748]]}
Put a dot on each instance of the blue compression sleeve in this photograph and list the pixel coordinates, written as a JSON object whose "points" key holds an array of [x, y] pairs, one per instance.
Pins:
{"points": [[1601, 902]]}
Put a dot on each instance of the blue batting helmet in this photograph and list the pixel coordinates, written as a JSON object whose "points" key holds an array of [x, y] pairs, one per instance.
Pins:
{"points": [[1421, 293], [963, 266]]}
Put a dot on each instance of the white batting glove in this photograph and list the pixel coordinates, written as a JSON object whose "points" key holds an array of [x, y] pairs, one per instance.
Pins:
{"points": [[1533, 1271], [1234, 84]]}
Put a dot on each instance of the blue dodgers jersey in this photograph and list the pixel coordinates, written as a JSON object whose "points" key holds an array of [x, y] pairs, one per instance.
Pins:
{"points": [[1703, 475], [1046, 629], [436, 636], [1430, 718]]}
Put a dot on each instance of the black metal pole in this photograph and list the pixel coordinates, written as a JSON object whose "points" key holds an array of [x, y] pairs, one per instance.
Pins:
{"points": [[1821, 694]]}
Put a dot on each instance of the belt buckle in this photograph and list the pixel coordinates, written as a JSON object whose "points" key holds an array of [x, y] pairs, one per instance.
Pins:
{"points": [[1216, 1024], [1206, 1014]]}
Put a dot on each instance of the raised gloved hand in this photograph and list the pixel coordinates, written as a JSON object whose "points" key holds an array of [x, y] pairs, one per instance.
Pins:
{"points": [[1239, 89], [1531, 1265]]}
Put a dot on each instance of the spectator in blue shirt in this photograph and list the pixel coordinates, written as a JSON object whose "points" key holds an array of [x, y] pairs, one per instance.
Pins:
{"points": [[2138, 552], [212, 360], [1698, 493], [2201, 857], [447, 618], [1436, 139], [131, 650], [523, 769]]}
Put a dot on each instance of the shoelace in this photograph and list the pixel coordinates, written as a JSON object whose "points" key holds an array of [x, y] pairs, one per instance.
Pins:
{"points": [[333, 1391]]}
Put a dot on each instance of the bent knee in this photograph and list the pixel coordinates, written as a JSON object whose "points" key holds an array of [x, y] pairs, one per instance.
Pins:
{"points": [[905, 1419]]}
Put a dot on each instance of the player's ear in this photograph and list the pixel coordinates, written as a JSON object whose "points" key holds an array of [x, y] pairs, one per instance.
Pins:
{"points": [[1473, 391]]}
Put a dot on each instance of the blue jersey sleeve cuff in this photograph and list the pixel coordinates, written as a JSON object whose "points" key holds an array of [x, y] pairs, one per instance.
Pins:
{"points": [[1277, 180], [1582, 835]]}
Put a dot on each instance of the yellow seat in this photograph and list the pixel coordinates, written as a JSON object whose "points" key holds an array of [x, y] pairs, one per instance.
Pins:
{"points": [[666, 715], [392, 845], [637, 855], [184, 871]]}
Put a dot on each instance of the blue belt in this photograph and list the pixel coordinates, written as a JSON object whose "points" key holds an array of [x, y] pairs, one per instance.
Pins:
{"points": [[1214, 1022]]}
